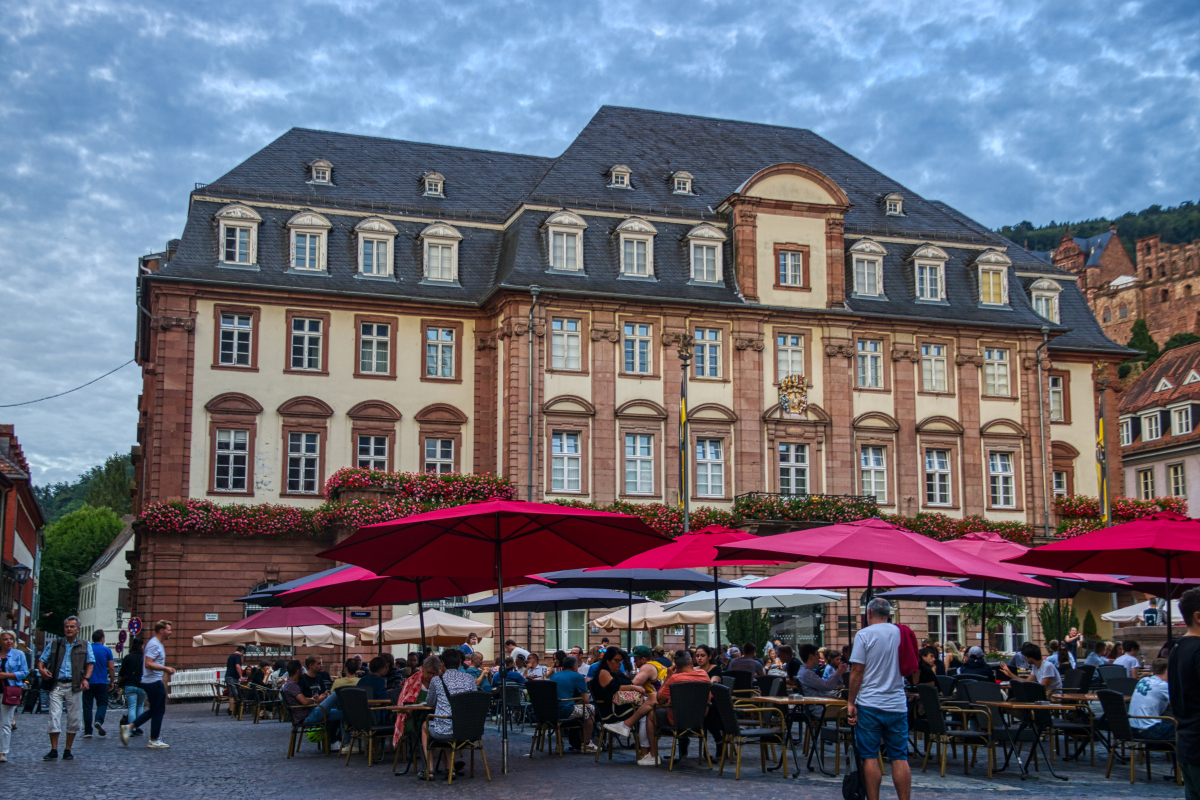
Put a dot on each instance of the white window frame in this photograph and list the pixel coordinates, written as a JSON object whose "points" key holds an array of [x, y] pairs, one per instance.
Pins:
{"points": [[1001, 278], [228, 459], [374, 348], [993, 262], [997, 370], [434, 184], [1002, 479], [308, 224], [933, 358], [1151, 427], [707, 237], [791, 268], [439, 347], [707, 352], [565, 224], [632, 231], [930, 277], [631, 333], [1058, 397], [309, 336], [639, 463], [1125, 428], [705, 255], [872, 471], [681, 183], [438, 455], [304, 456], [373, 232], [870, 364], [241, 218], [939, 483], [566, 462], [1177, 479], [867, 261], [1145, 484], [1058, 480], [710, 469], [789, 355], [320, 172], [372, 451], [440, 235], [1181, 420], [619, 177], [893, 205], [793, 469], [1045, 291], [566, 344], [239, 337]]}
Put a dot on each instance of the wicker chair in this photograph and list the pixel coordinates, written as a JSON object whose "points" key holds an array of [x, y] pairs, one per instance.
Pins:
{"points": [[468, 719], [543, 700], [689, 706], [1122, 732], [300, 729], [937, 731], [737, 736]]}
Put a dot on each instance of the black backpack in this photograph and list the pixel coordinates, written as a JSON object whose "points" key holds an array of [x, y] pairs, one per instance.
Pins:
{"points": [[853, 785]]}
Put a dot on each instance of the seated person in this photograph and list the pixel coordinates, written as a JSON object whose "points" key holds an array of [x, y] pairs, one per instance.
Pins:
{"points": [[616, 700], [511, 674], [258, 674], [660, 656], [533, 668], [745, 661], [1055, 650], [685, 672], [807, 679], [574, 702], [927, 676], [976, 666], [646, 671], [1096, 657], [296, 699], [314, 679], [791, 665], [375, 681], [833, 660], [1041, 670], [349, 676], [1150, 699], [1129, 659], [483, 677], [446, 681]]}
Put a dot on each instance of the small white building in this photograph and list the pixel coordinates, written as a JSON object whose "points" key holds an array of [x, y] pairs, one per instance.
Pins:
{"points": [[104, 589]]}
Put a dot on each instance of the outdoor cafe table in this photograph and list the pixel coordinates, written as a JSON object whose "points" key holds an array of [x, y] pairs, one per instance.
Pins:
{"points": [[414, 709], [1012, 744], [789, 742]]}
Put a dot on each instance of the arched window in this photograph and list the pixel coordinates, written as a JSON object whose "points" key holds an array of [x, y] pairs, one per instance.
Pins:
{"points": [[1122, 311], [1108, 315], [1187, 290], [1164, 296]]}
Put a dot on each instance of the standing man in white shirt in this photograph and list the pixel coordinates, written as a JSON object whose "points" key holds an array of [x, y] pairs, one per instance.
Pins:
{"points": [[510, 647], [876, 706], [1130, 660], [153, 669]]}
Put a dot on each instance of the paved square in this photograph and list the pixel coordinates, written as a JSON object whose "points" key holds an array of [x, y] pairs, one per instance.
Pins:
{"points": [[216, 757]]}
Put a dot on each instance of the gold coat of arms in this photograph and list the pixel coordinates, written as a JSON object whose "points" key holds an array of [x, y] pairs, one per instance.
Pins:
{"points": [[793, 394]]}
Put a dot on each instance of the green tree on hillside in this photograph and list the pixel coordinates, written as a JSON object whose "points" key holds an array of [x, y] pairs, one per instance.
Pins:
{"points": [[72, 545], [60, 499], [1179, 340], [1141, 340], [1175, 224]]}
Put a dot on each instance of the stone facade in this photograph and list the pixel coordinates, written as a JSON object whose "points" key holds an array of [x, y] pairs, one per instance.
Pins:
{"points": [[21, 539]]}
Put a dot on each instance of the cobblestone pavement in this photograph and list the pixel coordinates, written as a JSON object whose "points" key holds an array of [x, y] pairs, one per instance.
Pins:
{"points": [[216, 757]]}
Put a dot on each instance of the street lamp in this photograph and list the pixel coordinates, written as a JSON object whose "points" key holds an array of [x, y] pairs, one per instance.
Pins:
{"points": [[685, 360], [21, 575]]}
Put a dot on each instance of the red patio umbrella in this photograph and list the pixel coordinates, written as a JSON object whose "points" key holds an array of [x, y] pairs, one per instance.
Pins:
{"points": [[1164, 543], [478, 540], [836, 576], [694, 550]]}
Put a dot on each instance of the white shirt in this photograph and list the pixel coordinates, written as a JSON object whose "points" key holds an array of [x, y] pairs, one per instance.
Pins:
{"points": [[1150, 699], [1129, 662], [519, 651], [877, 648], [1048, 670], [157, 655]]}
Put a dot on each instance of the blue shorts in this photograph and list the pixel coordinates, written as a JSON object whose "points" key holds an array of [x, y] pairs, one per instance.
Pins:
{"points": [[886, 730]]}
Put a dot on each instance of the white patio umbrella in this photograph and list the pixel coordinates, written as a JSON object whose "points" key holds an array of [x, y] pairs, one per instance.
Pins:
{"points": [[441, 630], [1134, 613], [651, 616], [304, 636]]}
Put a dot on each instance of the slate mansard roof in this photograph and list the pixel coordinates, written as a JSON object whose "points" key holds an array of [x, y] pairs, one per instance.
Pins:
{"points": [[499, 203]]}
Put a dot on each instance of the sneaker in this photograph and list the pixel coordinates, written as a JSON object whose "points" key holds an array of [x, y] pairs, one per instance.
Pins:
{"points": [[3, 758], [51, 756], [137, 732], [590, 748], [618, 728], [100, 729], [647, 760], [87, 735], [158, 744], [67, 756], [125, 735]]}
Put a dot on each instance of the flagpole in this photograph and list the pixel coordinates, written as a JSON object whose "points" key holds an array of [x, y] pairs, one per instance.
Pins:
{"points": [[685, 358]]}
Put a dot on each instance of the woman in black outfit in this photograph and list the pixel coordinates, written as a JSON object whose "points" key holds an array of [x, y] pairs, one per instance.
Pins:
{"points": [[706, 660], [129, 678], [608, 682]]}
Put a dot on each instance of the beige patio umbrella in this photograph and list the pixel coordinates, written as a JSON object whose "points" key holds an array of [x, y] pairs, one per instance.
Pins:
{"points": [[441, 630], [303, 636], [649, 616]]}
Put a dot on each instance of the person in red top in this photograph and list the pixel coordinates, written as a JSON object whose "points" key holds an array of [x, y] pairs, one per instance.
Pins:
{"points": [[684, 671]]}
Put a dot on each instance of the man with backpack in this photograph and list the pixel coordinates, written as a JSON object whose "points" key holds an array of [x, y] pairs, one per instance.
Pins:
{"points": [[65, 666]]}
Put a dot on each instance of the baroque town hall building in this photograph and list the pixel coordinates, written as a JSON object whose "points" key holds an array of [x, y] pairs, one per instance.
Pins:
{"points": [[346, 300]]}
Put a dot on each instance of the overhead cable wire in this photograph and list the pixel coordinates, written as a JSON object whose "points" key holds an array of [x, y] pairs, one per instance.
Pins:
{"points": [[68, 391]]}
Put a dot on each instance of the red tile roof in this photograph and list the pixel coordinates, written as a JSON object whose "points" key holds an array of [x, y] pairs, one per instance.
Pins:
{"points": [[1174, 365]]}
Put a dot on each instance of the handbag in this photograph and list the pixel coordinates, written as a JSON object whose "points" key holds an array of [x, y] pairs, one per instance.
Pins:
{"points": [[853, 786], [12, 694], [626, 697]]}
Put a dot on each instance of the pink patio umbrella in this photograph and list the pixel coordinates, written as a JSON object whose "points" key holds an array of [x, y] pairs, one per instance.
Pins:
{"points": [[693, 550]]}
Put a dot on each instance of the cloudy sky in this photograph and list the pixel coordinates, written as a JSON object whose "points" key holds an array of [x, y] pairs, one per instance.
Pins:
{"points": [[111, 110]]}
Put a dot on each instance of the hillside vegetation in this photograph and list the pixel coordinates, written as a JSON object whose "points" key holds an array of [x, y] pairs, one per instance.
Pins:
{"points": [[1175, 224]]}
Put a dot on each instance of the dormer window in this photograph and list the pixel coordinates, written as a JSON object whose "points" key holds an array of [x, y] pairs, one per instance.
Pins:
{"points": [[682, 183], [637, 248], [707, 243], [564, 241], [867, 257], [320, 171], [619, 177], [1044, 293], [894, 204], [238, 234], [376, 244], [435, 184], [440, 245], [993, 278], [929, 273], [308, 232]]}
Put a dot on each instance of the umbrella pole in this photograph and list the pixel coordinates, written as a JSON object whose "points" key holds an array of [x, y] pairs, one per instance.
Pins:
{"points": [[983, 622], [942, 626], [421, 616], [630, 616], [380, 637], [557, 628], [717, 605], [1168, 609], [849, 619], [503, 666], [343, 634]]}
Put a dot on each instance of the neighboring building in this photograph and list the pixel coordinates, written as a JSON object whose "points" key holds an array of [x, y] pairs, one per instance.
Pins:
{"points": [[347, 300], [20, 537], [1159, 427], [1163, 288], [104, 588]]}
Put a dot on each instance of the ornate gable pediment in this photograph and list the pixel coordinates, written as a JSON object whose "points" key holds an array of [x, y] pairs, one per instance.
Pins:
{"points": [[567, 219], [706, 231], [931, 252], [441, 230], [1045, 285], [240, 212], [1003, 427], [876, 420], [868, 247], [308, 219], [636, 225], [376, 225], [993, 258]]}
